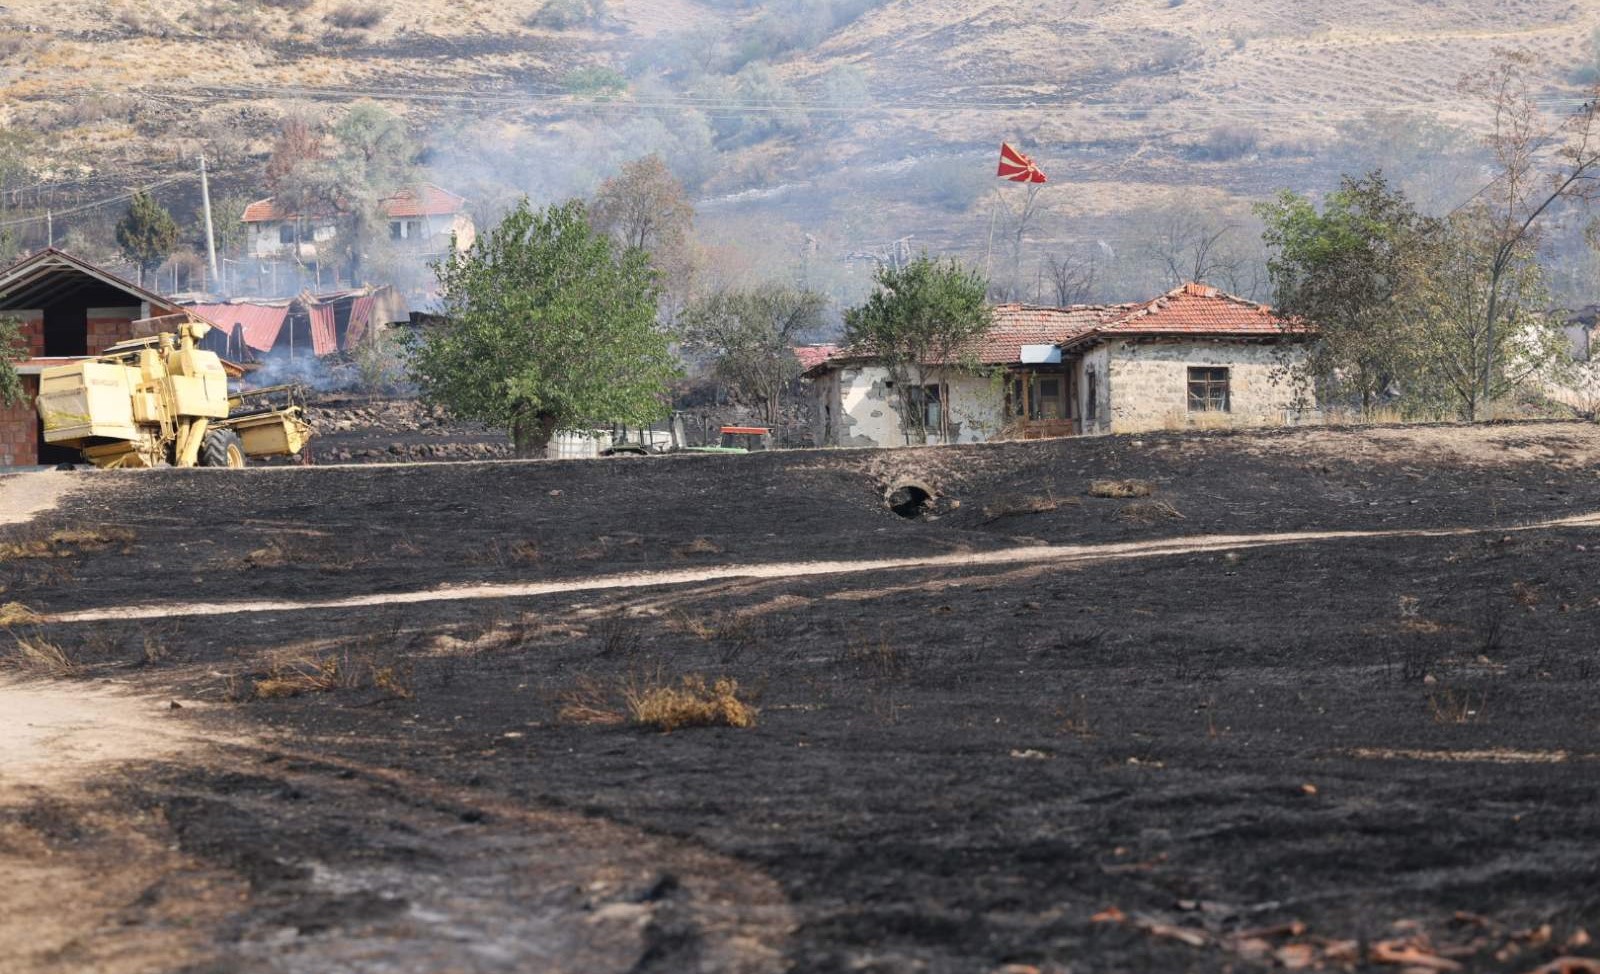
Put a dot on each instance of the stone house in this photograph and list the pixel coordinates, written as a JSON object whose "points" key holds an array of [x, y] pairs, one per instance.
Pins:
{"points": [[420, 222], [1192, 357], [68, 309]]}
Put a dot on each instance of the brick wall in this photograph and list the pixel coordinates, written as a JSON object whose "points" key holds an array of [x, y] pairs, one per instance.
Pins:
{"points": [[33, 330], [19, 428], [107, 326]]}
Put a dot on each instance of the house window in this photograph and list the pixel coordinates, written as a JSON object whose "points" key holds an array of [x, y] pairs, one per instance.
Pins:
{"points": [[1208, 390], [1091, 395], [925, 400], [285, 233], [1039, 397], [397, 230], [413, 230]]}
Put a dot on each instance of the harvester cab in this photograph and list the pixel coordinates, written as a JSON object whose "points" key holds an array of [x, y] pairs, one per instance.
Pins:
{"points": [[161, 401]]}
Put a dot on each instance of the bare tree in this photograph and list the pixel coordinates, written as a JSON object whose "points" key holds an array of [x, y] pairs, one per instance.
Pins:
{"points": [[1014, 218], [1190, 245], [1540, 163], [1071, 277]]}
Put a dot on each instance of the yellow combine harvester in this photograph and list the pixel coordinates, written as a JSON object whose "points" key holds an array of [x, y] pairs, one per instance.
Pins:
{"points": [[160, 401]]}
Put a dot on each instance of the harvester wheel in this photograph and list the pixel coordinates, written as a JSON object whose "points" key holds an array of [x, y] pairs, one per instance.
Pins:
{"points": [[222, 448]]}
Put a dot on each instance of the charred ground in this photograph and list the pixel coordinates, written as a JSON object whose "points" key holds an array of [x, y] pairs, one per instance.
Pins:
{"points": [[952, 769]]}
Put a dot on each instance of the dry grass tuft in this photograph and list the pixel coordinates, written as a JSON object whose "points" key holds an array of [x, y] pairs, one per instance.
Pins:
{"points": [[1120, 489], [1013, 506], [1148, 512], [17, 614], [35, 654], [340, 671], [692, 703]]}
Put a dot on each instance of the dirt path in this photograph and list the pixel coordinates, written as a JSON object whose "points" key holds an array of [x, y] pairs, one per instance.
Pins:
{"points": [[1035, 554], [23, 495]]}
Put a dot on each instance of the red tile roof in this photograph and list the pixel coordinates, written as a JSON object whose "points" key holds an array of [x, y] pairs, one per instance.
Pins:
{"points": [[427, 200], [261, 323], [1016, 325], [811, 356], [431, 201], [1193, 309]]}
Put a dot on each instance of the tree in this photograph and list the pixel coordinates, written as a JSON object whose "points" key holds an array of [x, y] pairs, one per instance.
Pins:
{"points": [[1071, 277], [921, 319], [753, 334], [550, 325], [1530, 181], [1344, 270], [147, 234], [1447, 294], [644, 207], [13, 349]]}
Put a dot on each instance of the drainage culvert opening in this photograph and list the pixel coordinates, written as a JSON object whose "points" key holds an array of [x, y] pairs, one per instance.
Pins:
{"points": [[910, 500]]}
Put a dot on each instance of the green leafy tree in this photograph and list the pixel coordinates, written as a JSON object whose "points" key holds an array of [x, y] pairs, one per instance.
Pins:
{"points": [[920, 323], [550, 325], [13, 349], [752, 336], [1343, 269], [1453, 281], [147, 234]]}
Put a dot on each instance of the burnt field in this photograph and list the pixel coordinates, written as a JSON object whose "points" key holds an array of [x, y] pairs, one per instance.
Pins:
{"points": [[1176, 752]]}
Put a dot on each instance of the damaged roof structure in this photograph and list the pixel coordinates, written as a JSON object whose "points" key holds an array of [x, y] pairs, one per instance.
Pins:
{"points": [[307, 325], [1192, 356]]}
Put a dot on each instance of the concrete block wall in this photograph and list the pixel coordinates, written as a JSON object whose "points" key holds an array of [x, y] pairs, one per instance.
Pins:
{"points": [[1148, 384]]}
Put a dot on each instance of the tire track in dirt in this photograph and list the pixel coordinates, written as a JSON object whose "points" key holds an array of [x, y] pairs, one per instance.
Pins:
{"points": [[1035, 554]]}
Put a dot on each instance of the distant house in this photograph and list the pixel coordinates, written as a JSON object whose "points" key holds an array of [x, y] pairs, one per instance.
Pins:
{"points": [[421, 221], [1193, 356]]}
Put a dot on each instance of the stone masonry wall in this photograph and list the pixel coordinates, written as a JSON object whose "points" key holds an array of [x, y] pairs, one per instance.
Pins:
{"points": [[1148, 381]]}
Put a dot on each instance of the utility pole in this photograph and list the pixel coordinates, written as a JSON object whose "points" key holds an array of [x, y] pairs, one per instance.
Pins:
{"points": [[205, 199], [49, 227]]}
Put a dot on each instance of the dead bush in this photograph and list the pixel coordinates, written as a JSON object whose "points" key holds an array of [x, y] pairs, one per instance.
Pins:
{"points": [[693, 702], [355, 16], [1120, 489], [588, 704], [1148, 512], [1447, 706], [879, 660], [618, 635], [699, 546]]}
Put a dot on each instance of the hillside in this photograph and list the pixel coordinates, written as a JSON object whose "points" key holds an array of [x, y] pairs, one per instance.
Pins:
{"points": [[875, 121]]}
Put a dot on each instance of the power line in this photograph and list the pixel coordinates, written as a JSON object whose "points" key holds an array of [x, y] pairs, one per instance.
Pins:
{"points": [[84, 207]]}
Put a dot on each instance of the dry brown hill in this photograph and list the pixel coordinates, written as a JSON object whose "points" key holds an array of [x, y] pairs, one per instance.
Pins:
{"points": [[877, 120]]}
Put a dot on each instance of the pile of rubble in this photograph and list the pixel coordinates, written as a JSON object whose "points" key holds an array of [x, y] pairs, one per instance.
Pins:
{"points": [[383, 416], [401, 452]]}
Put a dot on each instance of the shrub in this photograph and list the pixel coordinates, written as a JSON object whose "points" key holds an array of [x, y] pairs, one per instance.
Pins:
{"points": [[37, 655], [566, 14], [1227, 142], [291, 5], [595, 81], [692, 703], [355, 16]]}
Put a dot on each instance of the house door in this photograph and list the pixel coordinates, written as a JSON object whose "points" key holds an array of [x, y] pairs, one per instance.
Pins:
{"points": [[1041, 403]]}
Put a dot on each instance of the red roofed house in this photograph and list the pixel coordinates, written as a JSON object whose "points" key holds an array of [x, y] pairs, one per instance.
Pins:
{"points": [[420, 221], [1192, 356], [69, 309]]}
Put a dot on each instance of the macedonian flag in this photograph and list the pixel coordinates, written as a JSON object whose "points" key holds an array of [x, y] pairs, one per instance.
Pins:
{"points": [[1017, 167]]}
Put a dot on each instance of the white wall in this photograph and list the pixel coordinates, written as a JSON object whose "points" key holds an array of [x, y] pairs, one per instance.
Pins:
{"points": [[856, 406]]}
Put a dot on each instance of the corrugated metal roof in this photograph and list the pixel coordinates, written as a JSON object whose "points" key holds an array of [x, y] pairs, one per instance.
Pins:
{"points": [[360, 319], [261, 323], [324, 334]]}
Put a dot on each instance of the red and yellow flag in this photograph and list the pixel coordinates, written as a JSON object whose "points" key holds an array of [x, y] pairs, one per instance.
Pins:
{"points": [[1017, 167]]}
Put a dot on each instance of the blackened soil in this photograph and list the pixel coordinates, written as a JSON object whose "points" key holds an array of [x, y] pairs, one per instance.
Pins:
{"points": [[951, 770]]}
